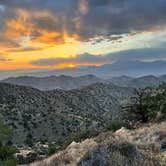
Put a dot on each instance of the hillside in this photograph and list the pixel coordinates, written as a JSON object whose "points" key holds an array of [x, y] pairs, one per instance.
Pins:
{"points": [[54, 82], [144, 146], [44, 122], [51, 116]]}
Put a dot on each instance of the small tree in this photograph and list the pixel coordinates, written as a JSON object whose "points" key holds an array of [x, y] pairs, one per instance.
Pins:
{"points": [[137, 110], [6, 151], [146, 104], [5, 132]]}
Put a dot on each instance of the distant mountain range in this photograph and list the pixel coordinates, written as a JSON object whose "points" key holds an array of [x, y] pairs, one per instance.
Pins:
{"points": [[54, 82], [130, 68], [68, 82], [140, 82]]}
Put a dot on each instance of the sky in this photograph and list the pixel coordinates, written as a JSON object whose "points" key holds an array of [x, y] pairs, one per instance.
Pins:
{"points": [[39, 34]]}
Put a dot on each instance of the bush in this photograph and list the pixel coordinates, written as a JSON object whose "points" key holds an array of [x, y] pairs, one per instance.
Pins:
{"points": [[5, 132], [8, 162], [84, 135], [78, 137], [114, 125], [124, 148], [29, 140]]}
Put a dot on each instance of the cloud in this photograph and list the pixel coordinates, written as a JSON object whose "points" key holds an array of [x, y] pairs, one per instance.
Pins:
{"points": [[2, 57], [24, 49], [83, 6], [154, 54], [7, 43], [2, 8], [5, 60], [40, 26], [36, 25], [144, 54], [86, 18]]}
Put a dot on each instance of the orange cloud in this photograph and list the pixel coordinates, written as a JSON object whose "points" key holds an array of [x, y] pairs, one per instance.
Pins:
{"points": [[49, 37], [17, 28], [11, 65], [31, 30], [24, 25]]}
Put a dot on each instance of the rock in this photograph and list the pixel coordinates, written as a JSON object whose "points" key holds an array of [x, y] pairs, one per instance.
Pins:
{"points": [[26, 156]]}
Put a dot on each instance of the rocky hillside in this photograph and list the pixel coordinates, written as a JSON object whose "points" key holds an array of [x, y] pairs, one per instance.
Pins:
{"points": [[54, 82], [144, 146], [36, 115]]}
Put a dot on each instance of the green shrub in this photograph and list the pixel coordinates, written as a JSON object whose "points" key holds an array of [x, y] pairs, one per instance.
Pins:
{"points": [[78, 137], [5, 132], [29, 140], [84, 134], [114, 125], [9, 162]]}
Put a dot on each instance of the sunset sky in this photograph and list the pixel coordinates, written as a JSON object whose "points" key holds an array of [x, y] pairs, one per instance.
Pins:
{"points": [[68, 33]]}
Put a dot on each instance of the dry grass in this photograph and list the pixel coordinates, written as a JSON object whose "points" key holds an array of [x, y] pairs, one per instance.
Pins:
{"points": [[70, 156], [125, 147]]}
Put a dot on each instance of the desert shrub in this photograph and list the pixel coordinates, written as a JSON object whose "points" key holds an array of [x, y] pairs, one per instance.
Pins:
{"points": [[81, 135], [97, 157], [53, 148], [124, 148], [29, 140], [78, 137], [117, 159], [115, 125], [117, 154]]}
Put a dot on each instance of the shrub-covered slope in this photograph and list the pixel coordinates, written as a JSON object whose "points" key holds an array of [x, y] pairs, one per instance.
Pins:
{"points": [[52, 116]]}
